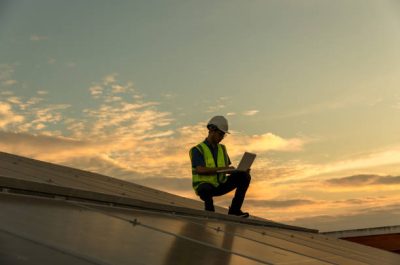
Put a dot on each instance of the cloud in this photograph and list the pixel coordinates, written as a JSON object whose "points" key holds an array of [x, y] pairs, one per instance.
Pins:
{"points": [[279, 203], [367, 217], [132, 139], [118, 89], [169, 96], [9, 82], [390, 156], [303, 173], [96, 90], [36, 37], [388, 180], [217, 106], [171, 184], [363, 180], [6, 93], [124, 130], [100, 163], [8, 116], [39, 146], [6, 73], [325, 212], [23, 104], [250, 112], [361, 201], [110, 90], [130, 134], [42, 92], [239, 143], [14, 100], [353, 180], [109, 79], [41, 117], [136, 120]]}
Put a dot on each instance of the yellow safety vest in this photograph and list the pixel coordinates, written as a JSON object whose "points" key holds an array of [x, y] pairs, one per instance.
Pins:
{"points": [[222, 161]]}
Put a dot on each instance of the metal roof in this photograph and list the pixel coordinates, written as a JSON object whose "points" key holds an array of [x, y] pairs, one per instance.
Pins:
{"points": [[50, 214], [384, 230]]}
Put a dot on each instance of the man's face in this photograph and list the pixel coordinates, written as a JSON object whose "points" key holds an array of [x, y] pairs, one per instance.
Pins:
{"points": [[217, 135]]}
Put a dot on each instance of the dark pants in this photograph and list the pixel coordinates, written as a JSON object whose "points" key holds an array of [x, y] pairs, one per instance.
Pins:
{"points": [[238, 180]]}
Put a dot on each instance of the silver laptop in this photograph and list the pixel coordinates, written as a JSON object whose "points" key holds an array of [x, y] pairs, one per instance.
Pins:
{"points": [[244, 164]]}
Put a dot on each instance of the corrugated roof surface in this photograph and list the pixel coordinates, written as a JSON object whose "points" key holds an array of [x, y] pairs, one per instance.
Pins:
{"points": [[23, 168], [44, 223]]}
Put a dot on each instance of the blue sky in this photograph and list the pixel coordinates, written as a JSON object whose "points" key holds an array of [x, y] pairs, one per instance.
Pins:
{"points": [[311, 86]]}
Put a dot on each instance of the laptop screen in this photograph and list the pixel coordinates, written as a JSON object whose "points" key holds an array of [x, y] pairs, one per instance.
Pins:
{"points": [[246, 162]]}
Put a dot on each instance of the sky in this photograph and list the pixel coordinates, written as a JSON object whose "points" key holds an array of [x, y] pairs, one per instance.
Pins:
{"points": [[126, 88]]}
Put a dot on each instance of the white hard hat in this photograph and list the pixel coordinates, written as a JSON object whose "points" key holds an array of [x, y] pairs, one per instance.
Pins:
{"points": [[220, 122]]}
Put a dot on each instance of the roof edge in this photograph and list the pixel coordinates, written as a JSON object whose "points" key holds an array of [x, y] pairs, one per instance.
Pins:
{"points": [[382, 230], [18, 186]]}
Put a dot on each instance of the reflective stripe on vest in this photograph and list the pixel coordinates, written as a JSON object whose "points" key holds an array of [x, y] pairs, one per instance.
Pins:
{"points": [[222, 159]]}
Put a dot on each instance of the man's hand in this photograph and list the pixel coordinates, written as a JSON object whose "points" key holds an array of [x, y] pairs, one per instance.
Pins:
{"points": [[210, 171]]}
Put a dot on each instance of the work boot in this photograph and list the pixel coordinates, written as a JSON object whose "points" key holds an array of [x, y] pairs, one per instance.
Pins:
{"points": [[238, 213]]}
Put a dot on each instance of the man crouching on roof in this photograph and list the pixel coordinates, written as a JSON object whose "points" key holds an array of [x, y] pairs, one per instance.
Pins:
{"points": [[210, 156]]}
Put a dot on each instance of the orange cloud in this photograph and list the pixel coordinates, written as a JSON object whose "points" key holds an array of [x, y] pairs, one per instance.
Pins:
{"points": [[362, 180], [238, 143], [8, 116], [250, 112]]}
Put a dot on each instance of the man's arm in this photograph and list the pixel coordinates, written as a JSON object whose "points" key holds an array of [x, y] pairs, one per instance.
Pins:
{"points": [[202, 170]]}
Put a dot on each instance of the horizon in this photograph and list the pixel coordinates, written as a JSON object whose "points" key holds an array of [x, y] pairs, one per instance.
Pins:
{"points": [[126, 89]]}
